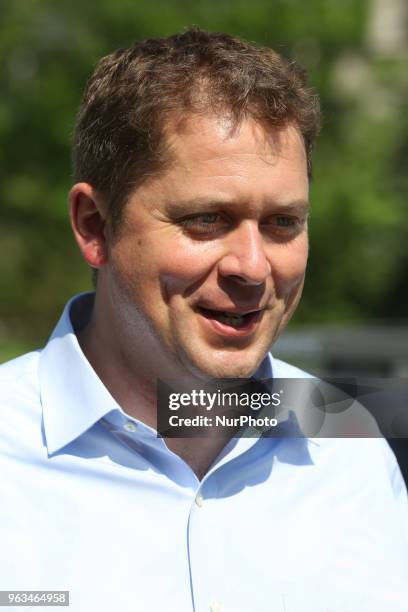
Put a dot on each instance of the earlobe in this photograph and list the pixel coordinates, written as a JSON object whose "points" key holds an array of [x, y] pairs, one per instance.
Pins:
{"points": [[88, 221]]}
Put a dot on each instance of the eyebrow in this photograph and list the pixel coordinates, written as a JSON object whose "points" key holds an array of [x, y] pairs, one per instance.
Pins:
{"points": [[209, 204]]}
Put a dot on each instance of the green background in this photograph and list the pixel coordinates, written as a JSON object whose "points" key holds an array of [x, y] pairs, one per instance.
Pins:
{"points": [[359, 224]]}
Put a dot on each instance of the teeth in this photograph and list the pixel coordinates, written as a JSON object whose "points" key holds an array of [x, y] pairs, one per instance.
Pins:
{"points": [[231, 319]]}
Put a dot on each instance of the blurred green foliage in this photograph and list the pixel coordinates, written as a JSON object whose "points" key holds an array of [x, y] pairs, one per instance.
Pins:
{"points": [[359, 225]]}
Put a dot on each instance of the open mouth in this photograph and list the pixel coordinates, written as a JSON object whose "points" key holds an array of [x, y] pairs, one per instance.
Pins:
{"points": [[236, 321]]}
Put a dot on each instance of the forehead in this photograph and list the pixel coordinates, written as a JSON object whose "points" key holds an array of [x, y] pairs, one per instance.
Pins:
{"points": [[210, 161], [200, 138], [212, 147]]}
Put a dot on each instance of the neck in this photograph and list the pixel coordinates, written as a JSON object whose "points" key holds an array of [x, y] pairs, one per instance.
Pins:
{"points": [[130, 375]]}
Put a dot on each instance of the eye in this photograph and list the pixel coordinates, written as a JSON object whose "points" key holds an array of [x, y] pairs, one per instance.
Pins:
{"points": [[282, 221], [205, 223], [284, 225], [207, 218]]}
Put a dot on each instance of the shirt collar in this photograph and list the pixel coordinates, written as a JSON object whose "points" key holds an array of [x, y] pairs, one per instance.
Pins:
{"points": [[73, 397]]}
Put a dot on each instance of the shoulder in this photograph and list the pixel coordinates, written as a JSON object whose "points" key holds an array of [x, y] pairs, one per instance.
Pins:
{"points": [[20, 404], [20, 373], [368, 458], [368, 470]]}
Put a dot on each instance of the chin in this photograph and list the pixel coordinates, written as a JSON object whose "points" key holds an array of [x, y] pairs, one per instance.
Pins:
{"points": [[227, 366]]}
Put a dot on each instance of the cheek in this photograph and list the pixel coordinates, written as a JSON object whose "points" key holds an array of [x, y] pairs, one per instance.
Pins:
{"points": [[186, 267], [134, 270], [288, 262], [156, 267]]}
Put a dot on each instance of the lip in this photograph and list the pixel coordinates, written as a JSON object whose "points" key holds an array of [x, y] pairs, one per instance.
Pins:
{"points": [[250, 326], [237, 309]]}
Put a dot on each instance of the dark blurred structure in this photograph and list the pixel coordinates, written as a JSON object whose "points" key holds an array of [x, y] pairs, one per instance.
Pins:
{"points": [[362, 352], [367, 351]]}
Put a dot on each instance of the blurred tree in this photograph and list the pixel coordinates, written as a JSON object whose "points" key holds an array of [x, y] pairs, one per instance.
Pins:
{"points": [[358, 225]]}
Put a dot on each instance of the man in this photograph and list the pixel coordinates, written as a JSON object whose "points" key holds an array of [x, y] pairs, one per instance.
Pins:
{"points": [[192, 160]]}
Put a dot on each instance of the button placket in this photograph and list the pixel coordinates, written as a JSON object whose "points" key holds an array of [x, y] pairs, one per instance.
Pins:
{"points": [[215, 606], [199, 500]]}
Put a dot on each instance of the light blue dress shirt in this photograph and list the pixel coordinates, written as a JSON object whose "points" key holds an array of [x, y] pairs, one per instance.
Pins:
{"points": [[94, 503]]}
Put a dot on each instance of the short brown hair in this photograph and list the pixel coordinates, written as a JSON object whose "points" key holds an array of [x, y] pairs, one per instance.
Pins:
{"points": [[119, 138]]}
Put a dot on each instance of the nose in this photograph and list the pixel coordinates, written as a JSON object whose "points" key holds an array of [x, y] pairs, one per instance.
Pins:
{"points": [[245, 259]]}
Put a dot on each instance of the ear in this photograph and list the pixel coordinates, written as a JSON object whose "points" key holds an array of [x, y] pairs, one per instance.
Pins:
{"points": [[88, 219]]}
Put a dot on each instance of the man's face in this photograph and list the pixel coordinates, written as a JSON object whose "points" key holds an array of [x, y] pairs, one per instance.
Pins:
{"points": [[211, 255]]}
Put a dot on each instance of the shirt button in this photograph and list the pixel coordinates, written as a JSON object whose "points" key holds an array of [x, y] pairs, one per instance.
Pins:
{"points": [[199, 500], [215, 606], [130, 426]]}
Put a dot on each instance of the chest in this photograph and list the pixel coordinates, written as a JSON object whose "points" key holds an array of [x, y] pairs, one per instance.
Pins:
{"points": [[132, 540]]}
